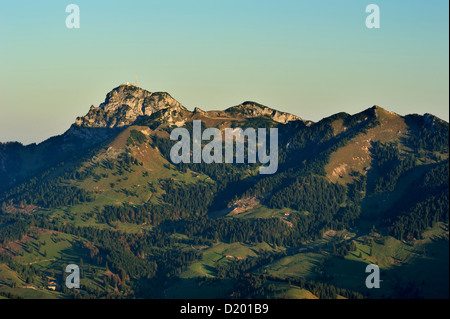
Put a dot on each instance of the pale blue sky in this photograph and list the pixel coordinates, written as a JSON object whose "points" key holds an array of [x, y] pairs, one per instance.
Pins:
{"points": [[309, 58]]}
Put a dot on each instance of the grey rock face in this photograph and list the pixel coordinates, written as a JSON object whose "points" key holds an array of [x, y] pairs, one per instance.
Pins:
{"points": [[124, 105], [252, 109], [127, 103]]}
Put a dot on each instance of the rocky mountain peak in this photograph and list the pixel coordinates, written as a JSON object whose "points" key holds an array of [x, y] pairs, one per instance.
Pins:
{"points": [[252, 109], [124, 105]]}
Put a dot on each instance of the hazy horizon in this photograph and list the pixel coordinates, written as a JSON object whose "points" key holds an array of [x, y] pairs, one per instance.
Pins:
{"points": [[309, 59]]}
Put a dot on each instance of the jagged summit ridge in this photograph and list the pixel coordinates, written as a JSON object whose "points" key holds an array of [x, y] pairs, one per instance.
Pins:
{"points": [[127, 103], [124, 105], [252, 109]]}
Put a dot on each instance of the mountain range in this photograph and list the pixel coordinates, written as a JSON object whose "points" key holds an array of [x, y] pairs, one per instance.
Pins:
{"points": [[350, 190]]}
